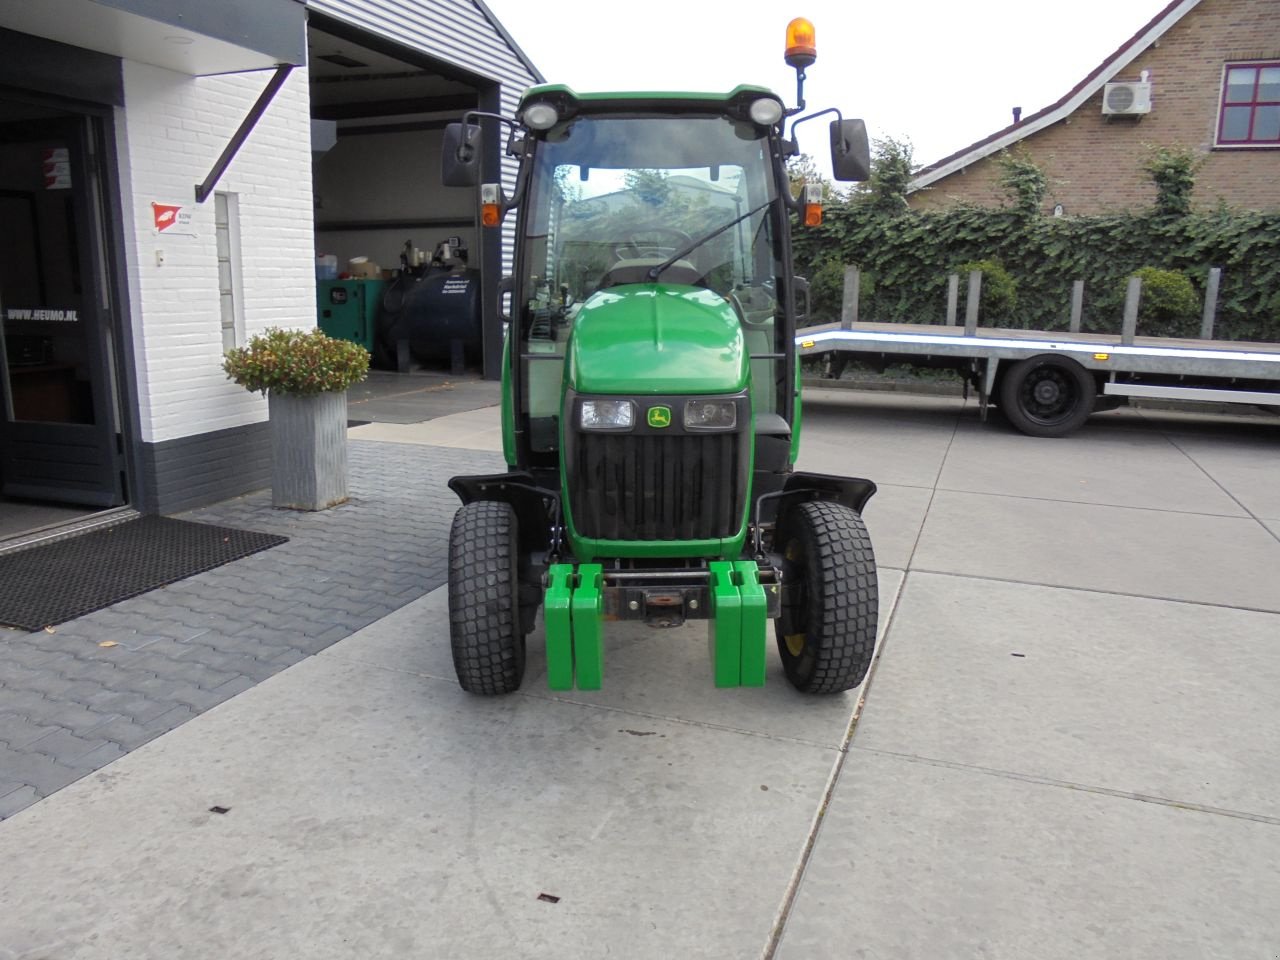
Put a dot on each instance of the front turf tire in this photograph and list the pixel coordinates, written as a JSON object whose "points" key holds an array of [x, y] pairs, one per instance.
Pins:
{"points": [[484, 591], [827, 629]]}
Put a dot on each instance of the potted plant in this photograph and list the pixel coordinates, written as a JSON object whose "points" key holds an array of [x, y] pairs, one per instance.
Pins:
{"points": [[305, 375]]}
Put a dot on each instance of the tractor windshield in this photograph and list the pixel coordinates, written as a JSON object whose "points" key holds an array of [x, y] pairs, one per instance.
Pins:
{"points": [[613, 197], [623, 200]]}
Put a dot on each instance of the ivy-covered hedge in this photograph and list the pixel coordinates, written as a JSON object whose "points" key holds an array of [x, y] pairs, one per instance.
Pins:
{"points": [[906, 257]]}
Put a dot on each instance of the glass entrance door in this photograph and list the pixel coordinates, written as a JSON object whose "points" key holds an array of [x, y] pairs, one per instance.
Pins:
{"points": [[59, 433]]}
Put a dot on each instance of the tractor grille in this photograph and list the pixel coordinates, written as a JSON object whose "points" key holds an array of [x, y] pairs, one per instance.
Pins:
{"points": [[658, 487]]}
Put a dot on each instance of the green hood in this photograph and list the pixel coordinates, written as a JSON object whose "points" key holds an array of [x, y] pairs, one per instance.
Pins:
{"points": [[651, 338]]}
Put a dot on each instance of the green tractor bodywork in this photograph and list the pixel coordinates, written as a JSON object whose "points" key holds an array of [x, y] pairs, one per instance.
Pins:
{"points": [[651, 408]]}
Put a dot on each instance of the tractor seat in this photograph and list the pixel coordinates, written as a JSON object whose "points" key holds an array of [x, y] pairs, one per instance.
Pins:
{"points": [[636, 271]]}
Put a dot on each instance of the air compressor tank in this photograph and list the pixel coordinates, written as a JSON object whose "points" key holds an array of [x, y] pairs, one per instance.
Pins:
{"points": [[432, 309]]}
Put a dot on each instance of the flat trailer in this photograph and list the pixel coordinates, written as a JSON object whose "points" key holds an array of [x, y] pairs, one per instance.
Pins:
{"points": [[1048, 383]]}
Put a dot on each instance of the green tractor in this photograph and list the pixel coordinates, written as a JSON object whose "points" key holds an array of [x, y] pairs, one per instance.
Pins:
{"points": [[651, 396]]}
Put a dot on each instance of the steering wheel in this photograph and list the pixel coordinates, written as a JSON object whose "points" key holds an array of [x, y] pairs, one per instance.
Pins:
{"points": [[633, 248]]}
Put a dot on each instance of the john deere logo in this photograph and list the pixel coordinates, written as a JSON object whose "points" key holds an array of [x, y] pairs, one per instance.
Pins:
{"points": [[659, 417]]}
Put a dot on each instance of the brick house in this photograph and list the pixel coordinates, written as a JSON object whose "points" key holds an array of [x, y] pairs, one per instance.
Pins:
{"points": [[1203, 74]]}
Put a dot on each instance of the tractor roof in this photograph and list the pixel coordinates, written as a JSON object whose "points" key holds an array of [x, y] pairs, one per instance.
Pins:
{"points": [[645, 99]]}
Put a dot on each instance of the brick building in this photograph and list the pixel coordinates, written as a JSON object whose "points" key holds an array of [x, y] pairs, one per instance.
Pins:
{"points": [[122, 281], [1202, 74]]}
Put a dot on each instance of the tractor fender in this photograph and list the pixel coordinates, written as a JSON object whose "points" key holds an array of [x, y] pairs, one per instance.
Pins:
{"points": [[537, 508], [800, 486]]}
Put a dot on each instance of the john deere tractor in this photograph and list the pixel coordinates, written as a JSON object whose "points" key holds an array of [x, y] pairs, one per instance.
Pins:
{"points": [[651, 396]]}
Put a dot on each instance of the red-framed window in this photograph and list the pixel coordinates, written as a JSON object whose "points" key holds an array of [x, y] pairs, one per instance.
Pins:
{"points": [[1249, 115]]}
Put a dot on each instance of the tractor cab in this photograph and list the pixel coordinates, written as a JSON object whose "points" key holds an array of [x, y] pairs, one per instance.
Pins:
{"points": [[651, 407], [651, 316]]}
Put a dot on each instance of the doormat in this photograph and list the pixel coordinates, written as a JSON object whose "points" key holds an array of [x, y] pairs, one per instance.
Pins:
{"points": [[60, 581]]}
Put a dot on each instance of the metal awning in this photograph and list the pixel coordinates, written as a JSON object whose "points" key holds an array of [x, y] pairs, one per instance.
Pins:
{"points": [[195, 37]]}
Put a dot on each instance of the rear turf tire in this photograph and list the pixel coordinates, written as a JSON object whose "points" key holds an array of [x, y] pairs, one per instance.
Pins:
{"points": [[484, 612], [827, 631]]}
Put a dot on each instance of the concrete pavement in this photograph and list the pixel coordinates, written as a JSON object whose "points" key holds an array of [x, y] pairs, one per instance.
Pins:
{"points": [[1067, 748]]}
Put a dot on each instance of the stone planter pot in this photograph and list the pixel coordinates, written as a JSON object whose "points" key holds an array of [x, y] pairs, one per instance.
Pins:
{"points": [[308, 450]]}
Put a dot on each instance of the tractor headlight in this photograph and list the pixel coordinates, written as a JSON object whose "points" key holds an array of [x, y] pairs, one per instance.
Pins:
{"points": [[710, 415], [765, 111], [540, 116], [608, 414]]}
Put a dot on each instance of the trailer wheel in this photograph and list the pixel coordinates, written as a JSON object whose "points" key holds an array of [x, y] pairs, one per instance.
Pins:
{"points": [[484, 612], [827, 629], [1047, 396]]}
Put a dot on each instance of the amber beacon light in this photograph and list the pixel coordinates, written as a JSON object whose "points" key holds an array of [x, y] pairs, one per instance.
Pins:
{"points": [[801, 47]]}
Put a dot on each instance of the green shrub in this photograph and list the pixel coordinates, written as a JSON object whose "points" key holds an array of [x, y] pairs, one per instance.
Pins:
{"points": [[1169, 306], [826, 292], [999, 299], [298, 362], [891, 172], [1023, 180], [1173, 170]]}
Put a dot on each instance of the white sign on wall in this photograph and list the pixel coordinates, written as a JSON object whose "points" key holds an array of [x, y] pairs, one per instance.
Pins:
{"points": [[172, 219]]}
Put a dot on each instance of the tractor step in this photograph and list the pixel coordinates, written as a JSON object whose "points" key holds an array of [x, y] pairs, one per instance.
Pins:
{"points": [[574, 614]]}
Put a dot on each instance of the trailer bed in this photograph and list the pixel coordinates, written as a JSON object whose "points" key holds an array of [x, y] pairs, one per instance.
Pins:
{"points": [[1122, 367]]}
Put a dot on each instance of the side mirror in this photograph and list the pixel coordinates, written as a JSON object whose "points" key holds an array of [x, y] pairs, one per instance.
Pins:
{"points": [[850, 150], [460, 155]]}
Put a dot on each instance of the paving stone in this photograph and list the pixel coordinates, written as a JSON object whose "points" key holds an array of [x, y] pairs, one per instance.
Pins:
{"points": [[127, 703], [55, 687], [233, 687], [75, 717], [160, 648], [63, 745], [25, 703], [90, 666], [128, 734], [26, 654], [229, 662], [98, 758], [18, 732], [314, 644], [17, 800], [123, 679], [287, 658], [191, 670], [36, 770], [171, 718], [156, 687], [200, 700], [16, 675]]}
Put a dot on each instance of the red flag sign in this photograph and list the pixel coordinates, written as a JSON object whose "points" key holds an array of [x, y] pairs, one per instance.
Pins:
{"points": [[165, 214]]}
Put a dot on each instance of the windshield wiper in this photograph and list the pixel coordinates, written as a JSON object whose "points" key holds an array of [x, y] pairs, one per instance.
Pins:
{"points": [[656, 271]]}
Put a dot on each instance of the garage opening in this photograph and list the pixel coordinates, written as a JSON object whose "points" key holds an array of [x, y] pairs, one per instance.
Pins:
{"points": [[402, 267]]}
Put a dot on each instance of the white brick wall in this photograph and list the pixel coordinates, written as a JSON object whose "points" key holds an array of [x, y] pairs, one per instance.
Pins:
{"points": [[170, 131]]}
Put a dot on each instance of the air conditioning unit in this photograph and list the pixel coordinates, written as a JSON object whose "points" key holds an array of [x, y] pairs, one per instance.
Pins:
{"points": [[1126, 99]]}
